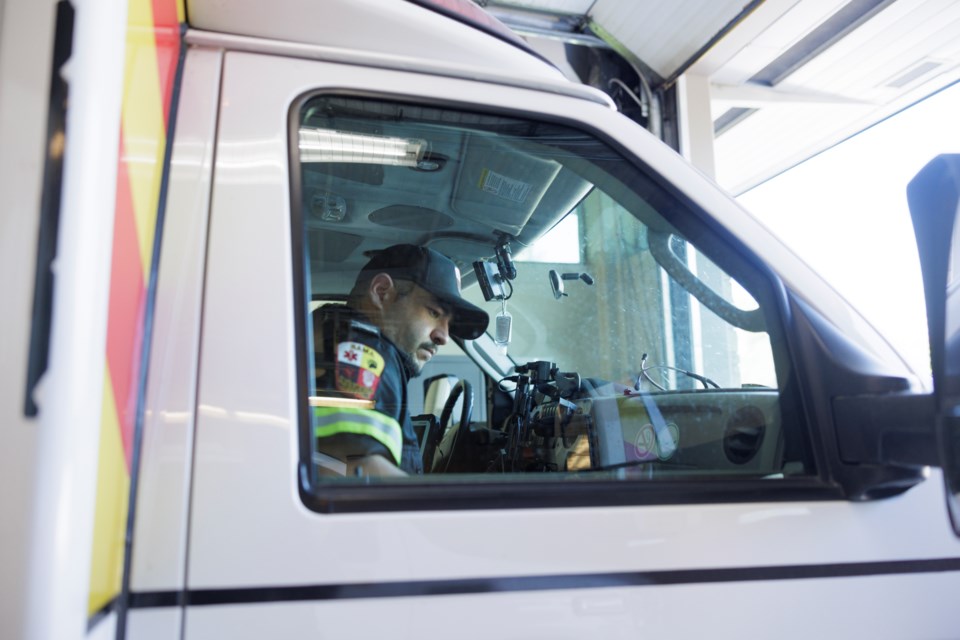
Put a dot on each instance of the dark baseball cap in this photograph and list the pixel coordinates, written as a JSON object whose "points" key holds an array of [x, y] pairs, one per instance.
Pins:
{"points": [[437, 274]]}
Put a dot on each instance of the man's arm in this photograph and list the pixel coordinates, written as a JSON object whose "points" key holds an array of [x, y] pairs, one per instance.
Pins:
{"points": [[373, 465]]}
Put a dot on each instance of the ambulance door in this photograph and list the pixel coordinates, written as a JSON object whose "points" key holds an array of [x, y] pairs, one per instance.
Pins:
{"points": [[158, 562], [700, 520]]}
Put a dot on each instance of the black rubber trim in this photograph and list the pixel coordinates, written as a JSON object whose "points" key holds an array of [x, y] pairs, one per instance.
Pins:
{"points": [[424, 496], [420, 588], [49, 226], [101, 614]]}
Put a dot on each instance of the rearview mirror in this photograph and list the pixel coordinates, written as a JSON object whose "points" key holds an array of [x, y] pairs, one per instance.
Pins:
{"points": [[934, 198]]}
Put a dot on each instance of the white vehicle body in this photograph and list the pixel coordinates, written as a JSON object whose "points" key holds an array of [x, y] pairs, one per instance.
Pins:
{"points": [[222, 540]]}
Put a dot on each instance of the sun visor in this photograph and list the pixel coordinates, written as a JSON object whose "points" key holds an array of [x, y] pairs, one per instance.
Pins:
{"points": [[499, 185]]}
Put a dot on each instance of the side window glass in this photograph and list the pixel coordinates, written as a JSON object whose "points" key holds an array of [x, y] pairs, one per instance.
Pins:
{"points": [[624, 340]]}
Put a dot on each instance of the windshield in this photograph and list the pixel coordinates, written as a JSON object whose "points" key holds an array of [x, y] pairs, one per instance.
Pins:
{"points": [[617, 312]]}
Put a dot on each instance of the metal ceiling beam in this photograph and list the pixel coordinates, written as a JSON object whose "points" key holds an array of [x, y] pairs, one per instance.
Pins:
{"points": [[730, 26], [545, 24], [755, 96], [841, 23]]}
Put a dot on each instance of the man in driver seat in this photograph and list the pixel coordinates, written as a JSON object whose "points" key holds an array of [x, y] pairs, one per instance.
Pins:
{"points": [[404, 304]]}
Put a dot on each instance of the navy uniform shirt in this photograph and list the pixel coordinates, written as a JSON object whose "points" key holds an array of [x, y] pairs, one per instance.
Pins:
{"points": [[355, 360]]}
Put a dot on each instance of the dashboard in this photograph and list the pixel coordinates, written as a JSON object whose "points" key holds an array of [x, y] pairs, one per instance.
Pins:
{"points": [[560, 422]]}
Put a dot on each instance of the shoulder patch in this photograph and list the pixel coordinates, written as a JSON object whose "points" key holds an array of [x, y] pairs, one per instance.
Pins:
{"points": [[359, 368]]}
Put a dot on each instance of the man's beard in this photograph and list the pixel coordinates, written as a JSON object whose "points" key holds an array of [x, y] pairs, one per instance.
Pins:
{"points": [[411, 365]]}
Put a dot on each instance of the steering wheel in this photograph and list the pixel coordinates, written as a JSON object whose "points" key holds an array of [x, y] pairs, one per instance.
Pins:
{"points": [[454, 441]]}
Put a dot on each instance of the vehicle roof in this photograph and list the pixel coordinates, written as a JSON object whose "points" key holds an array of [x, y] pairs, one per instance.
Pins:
{"points": [[401, 29]]}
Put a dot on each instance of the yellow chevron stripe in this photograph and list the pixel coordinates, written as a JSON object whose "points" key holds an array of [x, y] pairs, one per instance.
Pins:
{"points": [[113, 491], [144, 134]]}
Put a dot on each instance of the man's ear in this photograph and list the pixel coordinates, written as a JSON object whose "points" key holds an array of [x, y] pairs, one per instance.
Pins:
{"points": [[381, 290]]}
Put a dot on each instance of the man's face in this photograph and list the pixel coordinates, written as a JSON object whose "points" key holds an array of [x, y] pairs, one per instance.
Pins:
{"points": [[417, 323]]}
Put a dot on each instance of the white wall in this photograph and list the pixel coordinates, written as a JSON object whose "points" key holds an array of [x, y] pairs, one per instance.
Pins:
{"points": [[26, 33]]}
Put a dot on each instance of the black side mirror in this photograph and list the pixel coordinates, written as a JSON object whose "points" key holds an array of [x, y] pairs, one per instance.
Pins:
{"points": [[934, 198]]}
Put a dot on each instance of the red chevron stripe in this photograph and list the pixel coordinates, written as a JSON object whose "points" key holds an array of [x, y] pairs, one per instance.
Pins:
{"points": [[167, 38], [164, 13], [127, 296], [168, 50]]}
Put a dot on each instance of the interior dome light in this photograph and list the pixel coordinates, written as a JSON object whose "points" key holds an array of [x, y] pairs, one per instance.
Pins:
{"points": [[325, 145]]}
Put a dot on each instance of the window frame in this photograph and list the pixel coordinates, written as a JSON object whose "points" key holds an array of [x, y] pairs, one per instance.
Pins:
{"points": [[421, 494]]}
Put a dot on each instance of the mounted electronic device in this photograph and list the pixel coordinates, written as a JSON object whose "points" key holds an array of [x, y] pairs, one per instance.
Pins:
{"points": [[492, 279], [557, 279]]}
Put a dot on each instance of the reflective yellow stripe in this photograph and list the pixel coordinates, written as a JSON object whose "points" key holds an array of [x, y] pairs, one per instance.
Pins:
{"points": [[349, 403], [331, 421]]}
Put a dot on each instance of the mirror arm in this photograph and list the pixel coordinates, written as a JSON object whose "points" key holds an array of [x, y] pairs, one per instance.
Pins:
{"points": [[893, 430]]}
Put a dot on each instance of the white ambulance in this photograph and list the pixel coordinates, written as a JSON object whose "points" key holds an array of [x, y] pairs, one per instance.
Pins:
{"points": [[672, 427]]}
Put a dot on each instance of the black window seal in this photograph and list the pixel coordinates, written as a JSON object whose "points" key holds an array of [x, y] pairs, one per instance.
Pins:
{"points": [[48, 234], [403, 496]]}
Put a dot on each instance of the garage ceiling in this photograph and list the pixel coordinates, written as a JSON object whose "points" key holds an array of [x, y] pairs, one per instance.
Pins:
{"points": [[788, 78]]}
